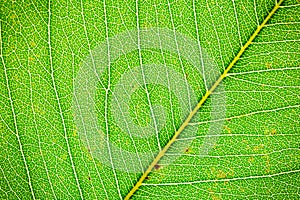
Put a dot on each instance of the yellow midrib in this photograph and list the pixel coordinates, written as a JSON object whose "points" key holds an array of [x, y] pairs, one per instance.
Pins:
{"points": [[204, 98]]}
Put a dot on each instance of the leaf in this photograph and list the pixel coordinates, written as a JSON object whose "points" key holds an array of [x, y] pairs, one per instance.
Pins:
{"points": [[93, 92]]}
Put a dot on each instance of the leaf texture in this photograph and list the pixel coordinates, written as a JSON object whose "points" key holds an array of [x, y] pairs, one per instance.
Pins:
{"points": [[92, 92]]}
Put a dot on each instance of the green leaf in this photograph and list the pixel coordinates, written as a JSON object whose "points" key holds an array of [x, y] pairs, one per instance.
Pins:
{"points": [[149, 99]]}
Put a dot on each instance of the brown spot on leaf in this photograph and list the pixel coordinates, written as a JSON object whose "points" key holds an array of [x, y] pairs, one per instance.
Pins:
{"points": [[187, 150], [186, 75], [157, 167], [273, 131]]}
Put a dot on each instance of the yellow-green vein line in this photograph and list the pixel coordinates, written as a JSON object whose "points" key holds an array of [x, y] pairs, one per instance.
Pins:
{"points": [[201, 102]]}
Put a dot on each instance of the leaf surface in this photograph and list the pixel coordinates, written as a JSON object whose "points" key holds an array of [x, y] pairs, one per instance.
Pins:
{"points": [[92, 92]]}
